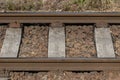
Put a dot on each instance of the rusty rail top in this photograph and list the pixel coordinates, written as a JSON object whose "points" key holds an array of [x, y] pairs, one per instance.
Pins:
{"points": [[63, 17], [61, 60], [59, 14]]}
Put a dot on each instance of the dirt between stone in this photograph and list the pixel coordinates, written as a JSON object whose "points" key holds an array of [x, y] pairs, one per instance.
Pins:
{"points": [[80, 41], [115, 31], [63, 75], [34, 41]]}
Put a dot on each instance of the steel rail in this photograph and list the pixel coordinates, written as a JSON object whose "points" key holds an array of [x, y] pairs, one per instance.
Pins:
{"points": [[47, 64], [60, 14], [64, 17]]}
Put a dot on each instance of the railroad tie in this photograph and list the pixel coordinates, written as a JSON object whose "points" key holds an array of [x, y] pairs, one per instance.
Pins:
{"points": [[56, 45], [11, 42], [104, 44]]}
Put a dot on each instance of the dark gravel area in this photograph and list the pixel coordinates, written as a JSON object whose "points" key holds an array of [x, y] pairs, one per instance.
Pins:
{"points": [[2, 34], [34, 42], [115, 31], [80, 41]]}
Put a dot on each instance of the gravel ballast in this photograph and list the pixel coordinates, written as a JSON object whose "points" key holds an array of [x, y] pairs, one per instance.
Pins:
{"points": [[115, 30], [60, 75], [80, 41], [34, 41], [2, 34]]}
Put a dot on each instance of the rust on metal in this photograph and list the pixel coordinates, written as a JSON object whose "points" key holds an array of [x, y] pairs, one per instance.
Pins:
{"points": [[101, 24], [60, 14], [46, 64], [56, 24], [14, 25], [60, 60], [63, 17]]}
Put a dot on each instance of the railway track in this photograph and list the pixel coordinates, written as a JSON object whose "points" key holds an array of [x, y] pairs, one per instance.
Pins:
{"points": [[105, 60]]}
